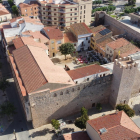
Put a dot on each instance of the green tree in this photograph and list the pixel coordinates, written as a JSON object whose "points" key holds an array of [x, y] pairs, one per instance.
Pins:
{"points": [[99, 106], [55, 124], [126, 108], [81, 121], [7, 108], [10, 2], [4, 84], [15, 10], [66, 48]]}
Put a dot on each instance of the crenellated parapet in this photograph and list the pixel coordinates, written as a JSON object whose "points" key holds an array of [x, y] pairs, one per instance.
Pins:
{"points": [[126, 62]]}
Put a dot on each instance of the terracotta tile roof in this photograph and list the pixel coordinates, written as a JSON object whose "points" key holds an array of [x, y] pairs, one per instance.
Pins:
{"points": [[127, 50], [97, 29], [22, 88], [24, 5], [3, 10], [53, 33], [119, 127], [86, 71], [69, 37], [80, 28], [53, 73], [36, 35], [31, 74], [33, 21], [22, 41], [103, 43], [118, 43], [76, 136], [15, 19]]}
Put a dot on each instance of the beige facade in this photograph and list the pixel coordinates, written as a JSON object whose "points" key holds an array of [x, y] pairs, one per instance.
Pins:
{"points": [[5, 17], [64, 15]]}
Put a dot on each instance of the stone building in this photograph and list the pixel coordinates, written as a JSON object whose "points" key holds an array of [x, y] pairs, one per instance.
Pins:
{"points": [[48, 92]]}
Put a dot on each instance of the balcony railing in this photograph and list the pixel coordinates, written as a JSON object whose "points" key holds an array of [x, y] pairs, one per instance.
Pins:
{"points": [[49, 15], [62, 11], [62, 25], [49, 10], [49, 19]]}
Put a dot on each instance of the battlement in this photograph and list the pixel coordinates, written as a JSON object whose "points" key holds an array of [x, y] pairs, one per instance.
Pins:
{"points": [[126, 62]]}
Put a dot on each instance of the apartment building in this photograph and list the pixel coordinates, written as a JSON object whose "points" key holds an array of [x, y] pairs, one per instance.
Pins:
{"points": [[60, 13], [31, 9], [65, 13]]}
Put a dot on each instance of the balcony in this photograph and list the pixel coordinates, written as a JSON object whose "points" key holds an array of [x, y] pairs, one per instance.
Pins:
{"points": [[49, 10], [62, 20], [62, 25], [49, 23], [62, 16], [49, 19], [62, 11], [49, 15]]}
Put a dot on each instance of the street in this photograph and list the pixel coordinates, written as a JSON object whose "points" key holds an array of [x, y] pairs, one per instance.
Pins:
{"points": [[19, 123]]}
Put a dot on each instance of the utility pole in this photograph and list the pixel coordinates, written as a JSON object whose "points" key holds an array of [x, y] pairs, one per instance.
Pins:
{"points": [[15, 134]]}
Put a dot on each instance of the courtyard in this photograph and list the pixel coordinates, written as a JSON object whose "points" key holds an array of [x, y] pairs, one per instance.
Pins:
{"points": [[79, 59]]}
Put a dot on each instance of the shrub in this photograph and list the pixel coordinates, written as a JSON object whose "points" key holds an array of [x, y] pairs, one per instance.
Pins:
{"points": [[55, 124], [99, 106], [126, 108]]}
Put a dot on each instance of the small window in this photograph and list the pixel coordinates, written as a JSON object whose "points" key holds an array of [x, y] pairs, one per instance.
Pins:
{"points": [[54, 95], [80, 17], [71, 19], [44, 13], [87, 79], [89, 41], [76, 82], [84, 11], [83, 20], [107, 49], [72, 89], [75, 14], [75, 22], [85, 7], [70, 14], [75, 8], [35, 8], [86, 38], [54, 14], [54, 18], [70, 9], [81, 12], [59, 42], [74, 44], [84, 16], [81, 7], [31, 9], [78, 88], [67, 92], [75, 18], [44, 18], [61, 93], [110, 51], [55, 23], [43, 8], [54, 9], [35, 12]]}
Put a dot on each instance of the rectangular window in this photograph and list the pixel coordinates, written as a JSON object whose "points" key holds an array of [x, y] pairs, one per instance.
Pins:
{"points": [[75, 18], [75, 8], [70, 9], [71, 19], [54, 14], [85, 7], [81, 12], [80, 17], [54, 18], [75, 14], [89, 41], [70, 14], [54, 9], [59, 42], [86, 38], [84, 16], [81, 7], [84, 11]]}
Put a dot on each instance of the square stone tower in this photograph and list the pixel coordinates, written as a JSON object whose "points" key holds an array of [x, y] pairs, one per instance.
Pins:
{"points": [[124, 73]]}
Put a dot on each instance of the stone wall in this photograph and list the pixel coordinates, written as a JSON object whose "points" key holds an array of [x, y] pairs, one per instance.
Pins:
{"points": [[47, 105], [118, 28]]}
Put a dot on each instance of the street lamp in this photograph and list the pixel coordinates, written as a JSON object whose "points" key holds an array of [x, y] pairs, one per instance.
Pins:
{"points": [[14, 134]]}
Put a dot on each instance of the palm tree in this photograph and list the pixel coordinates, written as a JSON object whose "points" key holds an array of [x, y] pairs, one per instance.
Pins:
{"points": [[4, 84]]}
